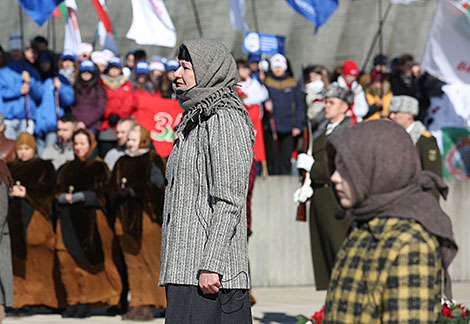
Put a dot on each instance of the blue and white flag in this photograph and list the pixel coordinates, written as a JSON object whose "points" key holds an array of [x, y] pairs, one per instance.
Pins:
{"points": [[317, 11], [237, 14], [39, 10]]}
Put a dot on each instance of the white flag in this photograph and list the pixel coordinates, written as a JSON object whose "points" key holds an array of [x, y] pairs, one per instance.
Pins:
{"points": [[106, 39], [72, 38], [446, 54], [407, 2], [151, 24], [237, 14]]}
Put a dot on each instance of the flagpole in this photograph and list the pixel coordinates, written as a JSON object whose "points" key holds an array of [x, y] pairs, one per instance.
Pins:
{"points": [[20, 12], [196, 16], [255, 16], [381, 48], [53, 34], [376, 36]]}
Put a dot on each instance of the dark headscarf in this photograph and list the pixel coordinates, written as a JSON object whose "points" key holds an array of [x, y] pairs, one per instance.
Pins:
{"points": [[216, 76], [389, 182]]}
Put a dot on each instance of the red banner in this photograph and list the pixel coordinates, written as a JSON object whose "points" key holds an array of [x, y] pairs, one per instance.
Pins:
{"points": [[254, 112], [159, 116]]}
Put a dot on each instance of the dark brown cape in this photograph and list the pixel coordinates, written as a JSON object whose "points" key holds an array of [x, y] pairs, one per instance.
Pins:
{"points": [[78, 221], [382, 162], [146, 196], [39, 178]]}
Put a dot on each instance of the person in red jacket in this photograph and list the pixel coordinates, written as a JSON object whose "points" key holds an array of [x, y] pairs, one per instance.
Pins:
{"points": [[120, 104]]}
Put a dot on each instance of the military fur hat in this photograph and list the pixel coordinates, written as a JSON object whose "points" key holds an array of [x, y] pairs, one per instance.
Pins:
{"points": [[336, 91], [405, 104]]}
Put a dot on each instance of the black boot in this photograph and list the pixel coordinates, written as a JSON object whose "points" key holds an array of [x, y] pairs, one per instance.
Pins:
{"points": [[83, 310], [70, 311]]}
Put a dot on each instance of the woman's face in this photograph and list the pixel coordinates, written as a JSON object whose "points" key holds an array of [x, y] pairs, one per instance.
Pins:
{"points": [[343, 185], [133, 141], [24, 152], [114, 72], [185, 76], [141, 78], [45, 66], [130, 61], [81, 145], [68, 64], [313, 76], [157, 74], [86, 76]]}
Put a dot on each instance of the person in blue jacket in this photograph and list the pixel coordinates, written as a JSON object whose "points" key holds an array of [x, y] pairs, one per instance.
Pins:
{"points": [[55, 87], [285, 114], [20, 92]]}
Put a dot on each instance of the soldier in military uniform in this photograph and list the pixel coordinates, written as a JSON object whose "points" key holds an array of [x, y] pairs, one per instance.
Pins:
{"points": [[326, 231], [403, 110]]}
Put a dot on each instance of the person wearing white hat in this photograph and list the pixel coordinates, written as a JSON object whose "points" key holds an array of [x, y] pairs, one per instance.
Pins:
{"points": [[157, 69], [100, 59], [286, 111], [403, 110], [84, 51]]}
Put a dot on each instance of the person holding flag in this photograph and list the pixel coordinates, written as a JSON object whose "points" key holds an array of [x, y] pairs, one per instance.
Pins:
{"points": [[20, 91]]}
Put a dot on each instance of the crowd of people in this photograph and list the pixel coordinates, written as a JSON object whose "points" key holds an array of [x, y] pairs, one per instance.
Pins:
{"points": [[85, 206]]}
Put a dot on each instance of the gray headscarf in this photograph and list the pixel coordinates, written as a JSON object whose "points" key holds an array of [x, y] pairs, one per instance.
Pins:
{"points": [[216, 76]]}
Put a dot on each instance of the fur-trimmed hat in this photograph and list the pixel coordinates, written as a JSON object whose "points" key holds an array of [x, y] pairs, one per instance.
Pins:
{"points": [[336, 91], [404, 104]]}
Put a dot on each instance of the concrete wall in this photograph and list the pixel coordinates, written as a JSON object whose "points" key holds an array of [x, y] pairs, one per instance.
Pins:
{"points": [[348, 33], [280, 246]]}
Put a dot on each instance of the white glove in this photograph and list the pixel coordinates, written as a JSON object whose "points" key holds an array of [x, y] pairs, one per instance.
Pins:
{"points": [[303, 194], [304, 162]]}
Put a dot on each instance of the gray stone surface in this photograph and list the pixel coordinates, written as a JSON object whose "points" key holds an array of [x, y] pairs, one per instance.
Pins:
{"points": [[348, 33], [274, 305]]}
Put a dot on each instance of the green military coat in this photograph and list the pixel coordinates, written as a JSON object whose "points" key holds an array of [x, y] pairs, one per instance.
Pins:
{"points": [[429, 155], [326, 232]]}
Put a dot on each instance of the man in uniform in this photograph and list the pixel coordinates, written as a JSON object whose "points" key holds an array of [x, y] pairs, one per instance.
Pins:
{"points": [[403, 110], [327, 233]]}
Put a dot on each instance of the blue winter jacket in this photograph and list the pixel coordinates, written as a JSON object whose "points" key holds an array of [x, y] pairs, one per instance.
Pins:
{"points": [[288, 103], [46, 115], [13, 102]]}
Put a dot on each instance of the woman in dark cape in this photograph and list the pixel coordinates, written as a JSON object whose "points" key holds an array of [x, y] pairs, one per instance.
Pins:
{"points": [[137, 183], [86, 245], [35, 268]]}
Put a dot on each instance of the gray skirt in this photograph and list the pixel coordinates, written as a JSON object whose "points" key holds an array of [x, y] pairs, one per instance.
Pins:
{"points": [[187, 305]]}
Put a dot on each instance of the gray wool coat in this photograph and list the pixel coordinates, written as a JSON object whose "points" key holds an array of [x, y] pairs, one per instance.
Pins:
{"points": [[204, 219], [6, 271]]}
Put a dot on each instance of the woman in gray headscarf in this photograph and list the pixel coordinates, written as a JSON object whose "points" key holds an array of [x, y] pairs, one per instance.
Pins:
{"points": [[204, 261]]}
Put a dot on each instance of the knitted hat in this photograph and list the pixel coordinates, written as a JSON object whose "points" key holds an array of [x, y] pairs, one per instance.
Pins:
{"points": [[404, 104], [85, 48], [25, 138], [68, 55], [278, 60], [336, 91], [115, 62], [157, 65], [380, 60], [87, 65], [98, 57], [15, 42], [108, 54], [142, 67], [172, 65], [350, 68], [254, 57]]}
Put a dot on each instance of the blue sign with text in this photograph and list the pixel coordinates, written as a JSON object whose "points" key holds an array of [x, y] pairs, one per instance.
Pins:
{"points": [[258, 43]]}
